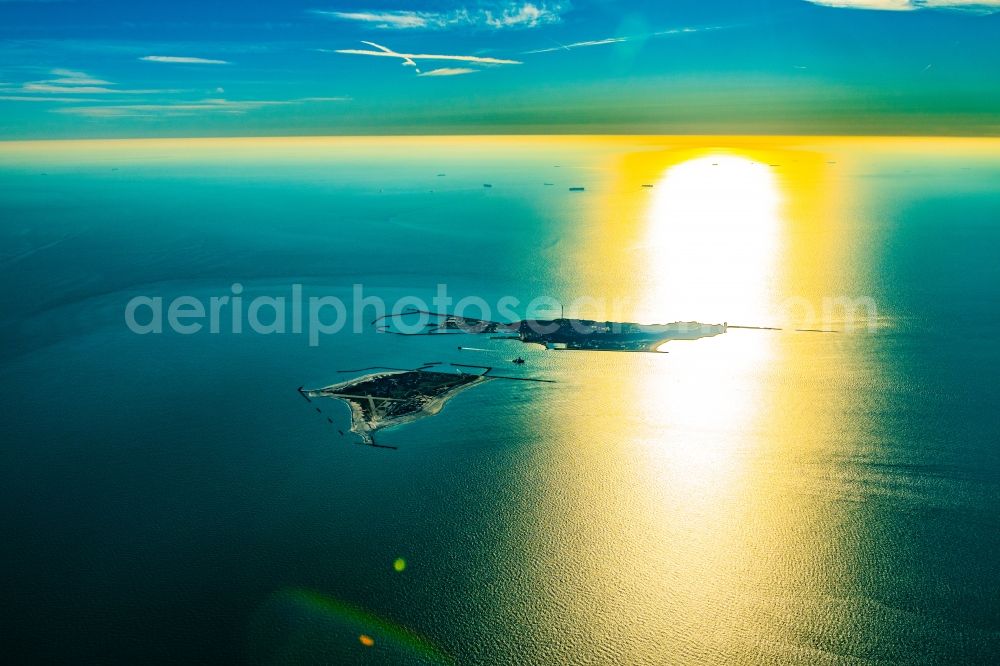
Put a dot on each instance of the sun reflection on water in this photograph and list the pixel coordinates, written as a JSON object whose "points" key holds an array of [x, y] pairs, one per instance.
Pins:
{"points": [[712, 234], [711, 244], [679, 474]]}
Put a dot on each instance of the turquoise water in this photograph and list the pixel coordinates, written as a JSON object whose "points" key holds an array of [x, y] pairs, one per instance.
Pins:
{"points": [[760, 497]]}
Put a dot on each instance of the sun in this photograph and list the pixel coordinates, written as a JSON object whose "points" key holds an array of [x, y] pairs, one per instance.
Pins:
{"points": [[712, 240]]}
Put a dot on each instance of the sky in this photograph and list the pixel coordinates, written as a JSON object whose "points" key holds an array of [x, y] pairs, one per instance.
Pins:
{"points": [[128, 68]]}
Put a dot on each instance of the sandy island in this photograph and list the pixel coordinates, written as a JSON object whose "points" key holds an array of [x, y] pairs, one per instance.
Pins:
{"points": [[388, 399]]}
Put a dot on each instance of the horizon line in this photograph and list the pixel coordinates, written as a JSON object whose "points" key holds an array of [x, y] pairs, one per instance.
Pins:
{"points": [[277, 137]]}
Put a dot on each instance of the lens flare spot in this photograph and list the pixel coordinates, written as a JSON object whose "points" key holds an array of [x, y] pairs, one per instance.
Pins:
{"points": [[297, 625], [399, 564]]}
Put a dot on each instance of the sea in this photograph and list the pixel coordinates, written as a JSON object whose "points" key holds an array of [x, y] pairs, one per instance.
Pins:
{"points": [[818, 485]]}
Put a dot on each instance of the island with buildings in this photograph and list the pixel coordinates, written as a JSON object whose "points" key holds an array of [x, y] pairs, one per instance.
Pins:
{"points": [[395, 397], [390, 397], [589, 335], [562, 333]]}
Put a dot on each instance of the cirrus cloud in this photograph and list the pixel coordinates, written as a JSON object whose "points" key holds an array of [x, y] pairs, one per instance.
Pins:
{"points": [[186, 108], [184, 60], [494, 16], [396, 20], [973, 6], [76, 78], [449, 71], [72, 82]]}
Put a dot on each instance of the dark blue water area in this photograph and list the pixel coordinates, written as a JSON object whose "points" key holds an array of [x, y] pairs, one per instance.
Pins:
{"points": [[173, 498]]}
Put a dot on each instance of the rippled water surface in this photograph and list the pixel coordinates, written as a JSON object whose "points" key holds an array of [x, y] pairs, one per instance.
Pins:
{"points": [[759, 497]]}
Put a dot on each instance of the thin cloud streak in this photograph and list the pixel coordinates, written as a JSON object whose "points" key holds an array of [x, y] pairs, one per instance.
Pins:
{"points": [[74, 82], [406, 60], [579, 45], [178, 109], [627, 38], [449, 71], [28, 98], [224, 106], [82, 90], [77, 78], [969, 6], [883, 5], [384, 20], [184, 60], [412, 57], [496, 16]]}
